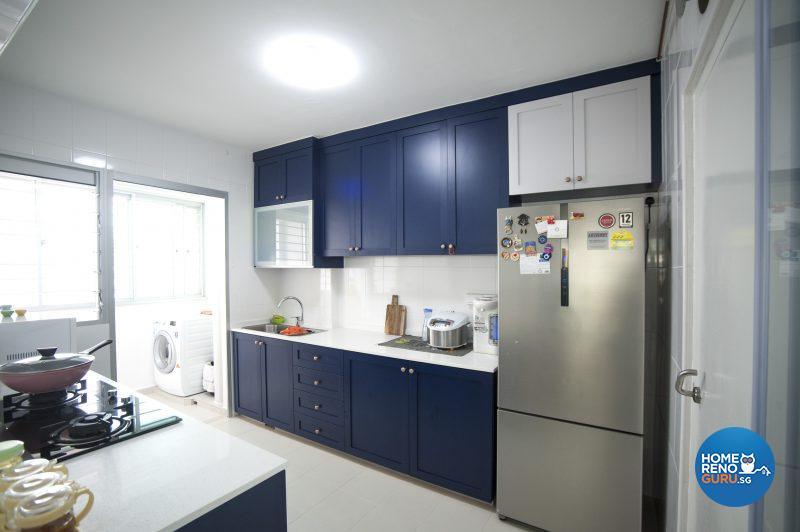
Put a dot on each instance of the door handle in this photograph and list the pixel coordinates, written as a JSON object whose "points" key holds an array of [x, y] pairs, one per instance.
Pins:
{"points": [[695, 392]]}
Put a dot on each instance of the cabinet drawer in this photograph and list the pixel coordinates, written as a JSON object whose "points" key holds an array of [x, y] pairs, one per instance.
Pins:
{"points": [[321, 358], [318, 382], [320, 431], [319, 407]]}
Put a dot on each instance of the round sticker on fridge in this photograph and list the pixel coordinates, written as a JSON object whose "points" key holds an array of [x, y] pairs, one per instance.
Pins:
{"points": [[506, 242], [505, 255], [542, 239], [515, 256], [607, 220]]}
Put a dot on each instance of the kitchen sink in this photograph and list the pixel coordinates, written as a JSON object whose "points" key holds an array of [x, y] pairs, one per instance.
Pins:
{"points": [[276, 329]]}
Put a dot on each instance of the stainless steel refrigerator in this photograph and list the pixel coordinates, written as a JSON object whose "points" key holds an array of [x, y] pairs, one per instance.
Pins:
{"points": [[570, 398]]}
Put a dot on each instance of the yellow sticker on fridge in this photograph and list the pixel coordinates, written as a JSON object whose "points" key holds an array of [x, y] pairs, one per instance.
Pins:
{"points": [[622, 239]]}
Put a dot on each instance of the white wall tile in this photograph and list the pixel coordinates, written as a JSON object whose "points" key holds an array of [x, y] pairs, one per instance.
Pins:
{"points": [[52, 119], [16, 110], [52, 151], [88, 129], [13, 143], [149, 145], [123, 166], [121, 137]]}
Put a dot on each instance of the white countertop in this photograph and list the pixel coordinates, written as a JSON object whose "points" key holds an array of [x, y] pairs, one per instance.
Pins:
{"points": [[168, 477], [367, 342]]}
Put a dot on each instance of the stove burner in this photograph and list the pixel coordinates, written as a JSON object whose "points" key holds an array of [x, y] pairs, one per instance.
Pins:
{"points": [[90, 429], [47, 400]]}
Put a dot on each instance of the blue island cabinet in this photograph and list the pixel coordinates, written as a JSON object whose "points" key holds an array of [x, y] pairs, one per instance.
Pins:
{"points": [[436, 423]]}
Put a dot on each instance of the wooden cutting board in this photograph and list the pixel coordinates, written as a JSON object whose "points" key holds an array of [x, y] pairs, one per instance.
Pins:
{"points": [[395, 318]]}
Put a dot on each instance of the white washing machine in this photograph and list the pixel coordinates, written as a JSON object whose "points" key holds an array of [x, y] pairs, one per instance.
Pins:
{"points": [[180, 350]]}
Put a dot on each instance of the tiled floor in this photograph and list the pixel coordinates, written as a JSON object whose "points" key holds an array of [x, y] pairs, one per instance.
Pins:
{"points": [[330, 491]]}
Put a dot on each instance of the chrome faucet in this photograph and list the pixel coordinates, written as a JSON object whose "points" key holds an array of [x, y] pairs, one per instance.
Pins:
{"points": [[298, 319]]}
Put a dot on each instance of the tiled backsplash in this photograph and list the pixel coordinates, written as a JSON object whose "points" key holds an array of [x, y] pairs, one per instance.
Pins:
{"points": [[356, 296]]}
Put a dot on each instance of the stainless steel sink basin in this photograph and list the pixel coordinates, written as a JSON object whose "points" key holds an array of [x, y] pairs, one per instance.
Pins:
{"points": [[275, 329]]}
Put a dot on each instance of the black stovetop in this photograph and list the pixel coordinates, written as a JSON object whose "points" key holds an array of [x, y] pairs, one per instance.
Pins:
{"points": [[89, 415]]}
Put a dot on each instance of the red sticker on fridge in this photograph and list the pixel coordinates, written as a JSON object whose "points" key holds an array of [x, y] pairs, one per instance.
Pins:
{"points": [[606, 221]]}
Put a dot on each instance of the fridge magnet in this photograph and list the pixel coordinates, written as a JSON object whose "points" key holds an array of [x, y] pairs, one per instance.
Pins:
{"points": [[515, 256], [557, 229], [517, 243], [505, 255], [530, 248], [597, 240], [548, 248], [505, 242], [546, 256], [523, 220], [508, 225], [622, 239], [626, 219], [542, 239], [606, 221], [533, 265], [575, 216], [541, 223]]}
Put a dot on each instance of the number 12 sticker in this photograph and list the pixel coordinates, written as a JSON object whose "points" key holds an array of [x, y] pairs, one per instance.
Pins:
{"points": [[626, 219]]}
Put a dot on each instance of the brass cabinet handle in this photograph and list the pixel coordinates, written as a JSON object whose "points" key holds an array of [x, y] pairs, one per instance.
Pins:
{"points": [[410, 370], [567, 179], [579, 178], [403, 369]]}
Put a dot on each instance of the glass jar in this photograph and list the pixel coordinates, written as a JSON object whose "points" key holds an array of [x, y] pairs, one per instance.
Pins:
{"points": [[51, 509]]}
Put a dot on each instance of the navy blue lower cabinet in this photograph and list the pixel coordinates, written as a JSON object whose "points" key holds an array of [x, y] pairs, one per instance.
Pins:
{"points": [[279, 395], [453, 428], [376, 409], [248, 375]]}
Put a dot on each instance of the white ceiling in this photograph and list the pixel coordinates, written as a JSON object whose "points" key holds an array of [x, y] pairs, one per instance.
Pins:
{"points": [[195, 64]]}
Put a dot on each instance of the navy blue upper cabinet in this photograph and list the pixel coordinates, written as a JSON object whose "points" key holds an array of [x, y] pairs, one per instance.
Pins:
{"points": [[376, 409], [358, 190], [284, 174], [339, 183], [450, 405], [279, 395], [248, 375], [478, 178], [375, 216], [423, 207]]}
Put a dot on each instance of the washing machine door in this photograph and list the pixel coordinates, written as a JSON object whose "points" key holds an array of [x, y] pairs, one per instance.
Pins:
{"points": [[164, 356]]}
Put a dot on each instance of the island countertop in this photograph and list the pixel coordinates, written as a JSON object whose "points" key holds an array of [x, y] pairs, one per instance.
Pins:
{"points": [[366, 342], [167, 478]]}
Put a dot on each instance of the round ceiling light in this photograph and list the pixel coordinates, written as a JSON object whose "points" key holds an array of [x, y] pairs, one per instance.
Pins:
{"points": [[311, 62]]}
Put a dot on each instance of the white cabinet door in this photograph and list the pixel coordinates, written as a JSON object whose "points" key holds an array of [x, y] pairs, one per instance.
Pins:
{"points": [[612, 134], [540, 145]]}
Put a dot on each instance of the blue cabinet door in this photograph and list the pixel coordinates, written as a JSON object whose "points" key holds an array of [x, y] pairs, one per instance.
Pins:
{"points": [[248, 376], [478, 173], [376, 209], [279, 393], [377, 393], [423, 204], [298, 167], [339, 184], [270, 181], [453, 428]]}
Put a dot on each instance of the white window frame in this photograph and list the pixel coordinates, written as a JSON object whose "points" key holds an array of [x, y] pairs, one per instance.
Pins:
{"points": [[79, 174], [134, 300]]}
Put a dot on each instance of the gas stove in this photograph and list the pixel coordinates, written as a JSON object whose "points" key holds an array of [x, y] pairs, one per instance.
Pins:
{"points": [[87, 416]]}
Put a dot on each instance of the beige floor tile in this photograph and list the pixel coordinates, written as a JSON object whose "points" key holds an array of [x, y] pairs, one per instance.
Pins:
{"points": [[271, 440], [494, 524], [337, 513], [336, 470], [232, 425], [455, 514], [373, 485], [305, 493]]}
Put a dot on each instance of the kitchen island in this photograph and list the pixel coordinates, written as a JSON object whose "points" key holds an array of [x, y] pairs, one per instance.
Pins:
{"points": [[188, 475]]}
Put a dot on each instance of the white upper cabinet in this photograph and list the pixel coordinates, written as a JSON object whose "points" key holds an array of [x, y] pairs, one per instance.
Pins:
{"points": [[540, 145], [598, 137]]}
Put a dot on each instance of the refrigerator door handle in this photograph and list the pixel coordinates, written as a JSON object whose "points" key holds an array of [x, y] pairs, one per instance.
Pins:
{"points": [[695, 393]]}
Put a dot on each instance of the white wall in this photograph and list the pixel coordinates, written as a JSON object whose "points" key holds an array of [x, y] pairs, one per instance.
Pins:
{"points": [[683, 38], [356, 296], [43, 125]]}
